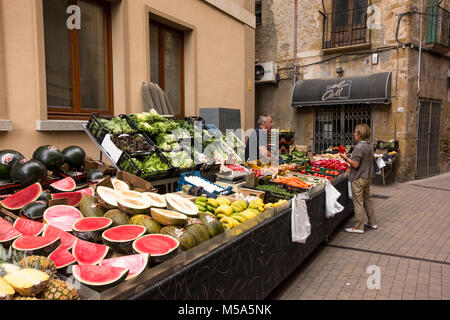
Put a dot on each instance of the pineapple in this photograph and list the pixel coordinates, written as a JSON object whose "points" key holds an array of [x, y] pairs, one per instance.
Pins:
{"points": [[6, 291], [40, 263], [60, 290], [27, 282]]}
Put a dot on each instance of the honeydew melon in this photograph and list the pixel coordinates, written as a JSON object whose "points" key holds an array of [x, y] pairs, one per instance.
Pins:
{"points": [[180, 204]]}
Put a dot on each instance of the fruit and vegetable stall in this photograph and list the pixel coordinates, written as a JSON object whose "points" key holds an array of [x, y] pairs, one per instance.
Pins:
{"points": [[75, 228]]}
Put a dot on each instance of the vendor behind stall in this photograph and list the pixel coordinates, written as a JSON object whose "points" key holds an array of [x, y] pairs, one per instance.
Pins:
{"points": [[256, 148]]}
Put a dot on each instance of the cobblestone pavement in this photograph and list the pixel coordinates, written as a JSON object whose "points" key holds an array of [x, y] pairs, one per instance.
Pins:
{"points": [[411, 247]]}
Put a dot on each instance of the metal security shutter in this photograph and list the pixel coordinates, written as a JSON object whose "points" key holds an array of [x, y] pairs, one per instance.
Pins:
{"points": [[428, 138], [334, 125]]}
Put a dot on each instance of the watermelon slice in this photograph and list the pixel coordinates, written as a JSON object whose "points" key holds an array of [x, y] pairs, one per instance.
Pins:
{"points": [[160, 247], [64, 185], [7, 233], [62, 217], [20, 199], [87, 191], [67, 240], [99, 277], [121, 238], [62, 257], [89, 253], [136, 264], [29, 227], [73, 198], [91, 228], [39, 246]]}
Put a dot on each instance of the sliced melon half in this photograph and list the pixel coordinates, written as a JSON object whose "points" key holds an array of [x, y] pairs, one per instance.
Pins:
{"points": [[119, 185], [156, 200], [168, 217], [180, 204], [107, 197], [134, 206]]}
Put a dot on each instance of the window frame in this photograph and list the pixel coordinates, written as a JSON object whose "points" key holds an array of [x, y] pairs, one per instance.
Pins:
{"points": [[343, 36], [77, 111], [162, 83], [258, 12]]}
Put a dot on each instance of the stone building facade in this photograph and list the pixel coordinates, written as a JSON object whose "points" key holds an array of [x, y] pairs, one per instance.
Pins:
{"points": [[407, 39]]}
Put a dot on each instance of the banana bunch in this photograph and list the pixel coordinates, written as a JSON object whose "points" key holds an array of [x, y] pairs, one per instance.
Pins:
{"points": [[279, 203], [257, 204], [225, 210], [201, 203], [239, 205], [224, 201], [229, 222]]}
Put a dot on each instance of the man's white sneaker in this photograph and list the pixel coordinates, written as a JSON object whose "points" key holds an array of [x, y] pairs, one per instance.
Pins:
{"points": [[371, 226], [354, 230]]}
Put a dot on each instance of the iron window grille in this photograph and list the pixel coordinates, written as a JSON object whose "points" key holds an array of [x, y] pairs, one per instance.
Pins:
{"points": [[438, 26], [346, 25], [334, 125]]}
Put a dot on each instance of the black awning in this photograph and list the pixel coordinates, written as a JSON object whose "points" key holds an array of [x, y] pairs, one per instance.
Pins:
{"points": [[375, 88]]}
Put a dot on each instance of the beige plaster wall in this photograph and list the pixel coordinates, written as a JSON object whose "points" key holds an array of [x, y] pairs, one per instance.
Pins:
{"points": [[218, 64]]}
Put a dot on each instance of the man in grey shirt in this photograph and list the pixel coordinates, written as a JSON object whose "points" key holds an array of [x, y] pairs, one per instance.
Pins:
{"points": [[360, 177]]}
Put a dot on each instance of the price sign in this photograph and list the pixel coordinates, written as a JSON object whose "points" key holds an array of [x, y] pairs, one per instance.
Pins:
{"points": [[111, 149]]}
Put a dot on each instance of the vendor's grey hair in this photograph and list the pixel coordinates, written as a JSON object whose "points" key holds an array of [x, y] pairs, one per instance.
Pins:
{"points": [[262, 119]]}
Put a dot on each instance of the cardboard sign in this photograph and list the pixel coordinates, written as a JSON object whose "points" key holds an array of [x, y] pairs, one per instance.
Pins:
{"points": [[135, 182], [111, 149]]}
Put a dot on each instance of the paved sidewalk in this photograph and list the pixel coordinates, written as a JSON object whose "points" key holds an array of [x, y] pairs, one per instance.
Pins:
{"points": [[411, 247]]}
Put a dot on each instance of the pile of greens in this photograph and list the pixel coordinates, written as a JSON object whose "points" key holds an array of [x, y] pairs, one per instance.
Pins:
{"points": [[115, 125], [296, 157], [131, 143], [150, 164], [153, 123], [275, 190], [186, 130], [180, 159], [167, 142]]}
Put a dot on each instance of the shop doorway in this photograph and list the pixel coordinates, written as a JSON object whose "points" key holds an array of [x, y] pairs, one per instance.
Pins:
{"points": [[334, 125], [428, 138]]}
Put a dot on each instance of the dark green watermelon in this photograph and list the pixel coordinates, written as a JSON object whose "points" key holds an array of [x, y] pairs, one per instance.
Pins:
{"points": [[8, 158], [34, 210], [94, 175], [28, 171], [45, 196], [74, 156], [49, 156]]}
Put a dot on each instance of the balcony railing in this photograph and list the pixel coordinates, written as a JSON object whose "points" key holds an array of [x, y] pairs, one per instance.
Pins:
{"points": [[345, 28], [438, 26]]}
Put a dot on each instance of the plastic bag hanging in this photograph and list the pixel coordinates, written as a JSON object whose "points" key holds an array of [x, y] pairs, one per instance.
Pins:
{"points": [[332, 206], [300, 225]]}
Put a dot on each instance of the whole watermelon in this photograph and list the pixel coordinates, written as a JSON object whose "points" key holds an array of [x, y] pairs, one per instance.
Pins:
{"points": [[7, 159], [74, 156], [49, 156], [28, 171]]}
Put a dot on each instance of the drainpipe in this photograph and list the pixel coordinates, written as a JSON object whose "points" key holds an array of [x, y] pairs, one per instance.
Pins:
{"points": [[295, 42], [420, 49]]}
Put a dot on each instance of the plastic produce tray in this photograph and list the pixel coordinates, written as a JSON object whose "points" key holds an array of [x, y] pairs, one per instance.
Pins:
{"points": [[97, 130], [214, 194], [126, 163]]}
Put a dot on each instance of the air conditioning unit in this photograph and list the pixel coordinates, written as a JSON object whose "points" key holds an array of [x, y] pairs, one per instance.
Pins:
{"points": [[266, 72]]}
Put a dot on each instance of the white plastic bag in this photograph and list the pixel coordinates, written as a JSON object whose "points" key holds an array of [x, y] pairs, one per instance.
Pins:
{"points": [[350, 196], [332, 206], [300, 225]]}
